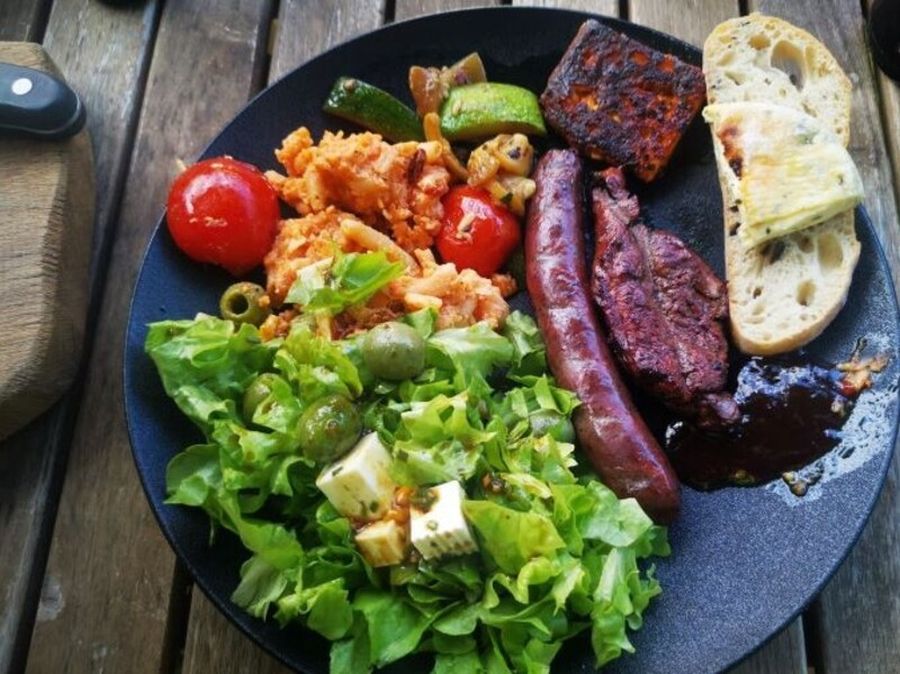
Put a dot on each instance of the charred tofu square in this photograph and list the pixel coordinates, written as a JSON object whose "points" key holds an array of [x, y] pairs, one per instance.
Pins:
{"points": [[621, 102]]}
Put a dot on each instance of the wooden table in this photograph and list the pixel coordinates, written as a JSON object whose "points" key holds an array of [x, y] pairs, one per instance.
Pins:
{"points": [[87, 583]]}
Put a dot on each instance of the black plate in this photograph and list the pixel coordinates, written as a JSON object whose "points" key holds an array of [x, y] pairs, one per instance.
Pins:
{"points": [[745, 561]]}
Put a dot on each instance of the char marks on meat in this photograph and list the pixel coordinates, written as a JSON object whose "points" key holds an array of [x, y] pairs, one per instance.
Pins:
{"points": [[620, 101], [663, 307]]}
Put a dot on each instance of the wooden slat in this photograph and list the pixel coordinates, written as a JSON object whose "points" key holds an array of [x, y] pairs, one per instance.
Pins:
{"points": [[213, 644], [859, 611], [890, 117], [692, 21], [32, 462], [321, 28], [109, 565], [22, 20], [407, 9], [605, 7]]}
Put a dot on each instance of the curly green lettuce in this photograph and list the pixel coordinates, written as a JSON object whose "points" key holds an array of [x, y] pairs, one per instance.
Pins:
{"points": [[559, 553]]}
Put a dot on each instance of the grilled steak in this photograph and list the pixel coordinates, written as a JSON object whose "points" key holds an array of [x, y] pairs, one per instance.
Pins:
{"points": [[663, 308], [619, 101]]}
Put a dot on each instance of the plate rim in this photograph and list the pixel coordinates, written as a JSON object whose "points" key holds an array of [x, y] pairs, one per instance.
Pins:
{"points": [[222, 604]]}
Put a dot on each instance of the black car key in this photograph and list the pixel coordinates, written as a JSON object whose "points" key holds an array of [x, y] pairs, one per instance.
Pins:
{"points": [[37, 104]]}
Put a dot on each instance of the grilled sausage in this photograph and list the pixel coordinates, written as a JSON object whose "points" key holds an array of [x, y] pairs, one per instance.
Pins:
{"points": [[610, 431]]}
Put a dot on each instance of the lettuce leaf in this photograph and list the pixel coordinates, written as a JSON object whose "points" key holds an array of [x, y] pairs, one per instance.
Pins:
{"points": [[559, 553], [206, 364], [350, 279], [510, 537]]}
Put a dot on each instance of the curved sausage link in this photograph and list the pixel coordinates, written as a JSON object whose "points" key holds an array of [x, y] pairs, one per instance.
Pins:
{"points": [[610, 431]]}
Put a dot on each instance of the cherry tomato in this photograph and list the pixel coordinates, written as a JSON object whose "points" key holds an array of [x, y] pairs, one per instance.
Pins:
{"points": [[477, 233], [225, 212]]}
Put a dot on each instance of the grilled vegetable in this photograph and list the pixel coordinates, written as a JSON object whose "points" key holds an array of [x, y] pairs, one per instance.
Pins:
{"points": [[429, 86], [488, 108], [373, 108], [477, 233]]}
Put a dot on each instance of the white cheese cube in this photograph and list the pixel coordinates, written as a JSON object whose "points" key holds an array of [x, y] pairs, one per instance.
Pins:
{"points": [[382, 543], [359, 484], [442, 529]]}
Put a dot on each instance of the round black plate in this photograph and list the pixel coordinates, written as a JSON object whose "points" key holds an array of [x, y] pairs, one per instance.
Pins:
{"points": [[745, 561]]}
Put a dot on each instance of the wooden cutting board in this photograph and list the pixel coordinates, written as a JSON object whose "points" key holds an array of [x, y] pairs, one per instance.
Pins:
{"points": [[46, 222]]}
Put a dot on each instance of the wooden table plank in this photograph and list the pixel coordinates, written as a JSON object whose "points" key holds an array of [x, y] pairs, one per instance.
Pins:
{"points": [[605, 7], [692, 21], [859, 611], [408, 9], [32, 462], [321, 29], [890, 117], [108, 560], [323, 26], [23, 20], [215, 645]]}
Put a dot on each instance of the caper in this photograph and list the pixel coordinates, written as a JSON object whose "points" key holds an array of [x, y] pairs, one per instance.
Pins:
{"points": [[394, 351], [552, 423], [329, 427], [243, 303], [259, 390]]}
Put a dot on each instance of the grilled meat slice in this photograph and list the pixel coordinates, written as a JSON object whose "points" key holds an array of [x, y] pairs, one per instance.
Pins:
{"points": [[619, 101], [663, 308]]}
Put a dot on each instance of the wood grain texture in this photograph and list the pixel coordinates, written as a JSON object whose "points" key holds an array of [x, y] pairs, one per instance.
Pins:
{"points": [[605, 7], [321, 28], [890, 117], [859, 610], [215, 645], [103, 51], [46, 215], [22, 19], [32, 461], [408, 9], [692, 21], [109, 566]]}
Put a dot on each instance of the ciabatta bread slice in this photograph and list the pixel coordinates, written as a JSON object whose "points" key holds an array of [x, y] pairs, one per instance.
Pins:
{"points": [[760, 58], [783, 293]]}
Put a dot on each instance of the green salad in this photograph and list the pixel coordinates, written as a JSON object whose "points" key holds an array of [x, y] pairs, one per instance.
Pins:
{"points": [[473, 534]]}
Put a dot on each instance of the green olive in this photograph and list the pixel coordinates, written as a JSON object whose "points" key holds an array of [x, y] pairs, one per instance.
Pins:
{"points": [[259, 390], [242, 303], [552, 423], [394, 351], [329, 427]]}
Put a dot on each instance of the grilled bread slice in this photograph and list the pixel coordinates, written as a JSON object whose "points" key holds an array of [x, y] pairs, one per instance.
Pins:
{"points": [[784, 292]]}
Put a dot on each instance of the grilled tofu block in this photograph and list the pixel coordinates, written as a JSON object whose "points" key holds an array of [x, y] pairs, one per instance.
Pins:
{"points": [[621, 102]]}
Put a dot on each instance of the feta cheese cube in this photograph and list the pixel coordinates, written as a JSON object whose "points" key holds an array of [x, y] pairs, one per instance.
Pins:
{"points": [[359, 484], [442, 529], [383, 543]]}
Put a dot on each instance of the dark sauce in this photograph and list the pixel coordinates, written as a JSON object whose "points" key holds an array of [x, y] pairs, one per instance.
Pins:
{"points": [[793, 411]]}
